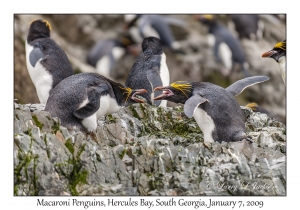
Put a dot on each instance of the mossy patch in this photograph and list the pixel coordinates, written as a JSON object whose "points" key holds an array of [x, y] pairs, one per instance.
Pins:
{"points": [[47, 148], [77, 175], [134, 112], [111, 119], [55, 126], [25, 160], [121, 155], [69, 145], [77, 71], [168, 123], [37, 122]]}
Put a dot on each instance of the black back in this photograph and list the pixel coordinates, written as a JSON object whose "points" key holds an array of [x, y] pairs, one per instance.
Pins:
{"points": [[162, 28], [148, 60], [222, 34], [66, 97], [223, 109], [101, 49], [55, 59], [245, 24]]}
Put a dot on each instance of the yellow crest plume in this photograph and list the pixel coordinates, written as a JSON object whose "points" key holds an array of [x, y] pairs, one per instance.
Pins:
{"points": [[45, 21], [47, 24], [128, 91], [281, 45], [252, 106], [208, 17], [183, 86]]}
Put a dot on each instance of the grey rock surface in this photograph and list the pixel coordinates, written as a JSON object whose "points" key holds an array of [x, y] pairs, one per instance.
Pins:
{"points": [[145, 150]]}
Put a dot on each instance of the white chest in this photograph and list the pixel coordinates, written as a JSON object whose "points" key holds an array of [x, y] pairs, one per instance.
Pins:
{"points": [[164, 75], [118, 52], [282, 67], [41, 78], [108, 106], [211, 40], [103, 66], [206, 124], [225, 55], [164, 71]]}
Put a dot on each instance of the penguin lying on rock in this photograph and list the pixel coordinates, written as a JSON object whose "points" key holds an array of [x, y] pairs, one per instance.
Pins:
{"points": [[214, 108], [81, 99], [47, 63], [150, 70], [227, 49], [278, 53]]}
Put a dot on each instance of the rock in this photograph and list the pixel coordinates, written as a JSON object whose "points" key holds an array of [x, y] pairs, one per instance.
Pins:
{"points": [[145, 150]]}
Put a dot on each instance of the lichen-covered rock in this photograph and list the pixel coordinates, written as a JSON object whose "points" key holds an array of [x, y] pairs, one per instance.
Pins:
{"points": [[145, 150]]}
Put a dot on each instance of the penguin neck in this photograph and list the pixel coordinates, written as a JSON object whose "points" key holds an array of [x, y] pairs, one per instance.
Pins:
{"points": [[121, 94], [150, 52], [33, 36], [133, 21], [282, 67], [213, 25]]}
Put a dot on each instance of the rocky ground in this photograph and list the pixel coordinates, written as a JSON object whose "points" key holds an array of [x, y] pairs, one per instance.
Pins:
{"points": [[145, 150]]}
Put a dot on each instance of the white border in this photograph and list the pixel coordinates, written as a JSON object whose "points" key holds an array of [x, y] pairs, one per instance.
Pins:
{"points": [[8, 201]]}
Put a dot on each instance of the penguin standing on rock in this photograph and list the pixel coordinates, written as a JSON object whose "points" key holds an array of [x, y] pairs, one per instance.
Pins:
{"points": [[47, 63], [81, 99], [157, 26], [150, 70], [248, 26], [105, 53], [214, 108], [227, 49], [278, 53]]}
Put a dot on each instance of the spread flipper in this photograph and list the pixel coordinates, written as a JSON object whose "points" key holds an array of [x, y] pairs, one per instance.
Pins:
{"points": [[237, 87], [175, 22], [154, 78], [192, 104], [93, 93], [35, 55]]}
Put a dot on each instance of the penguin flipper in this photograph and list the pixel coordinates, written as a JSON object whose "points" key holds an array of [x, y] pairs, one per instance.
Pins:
{"points": [[192, 104], [238, 87], [175, 21], [93, 93], [216, 49], [154, 78], [35, 55]]}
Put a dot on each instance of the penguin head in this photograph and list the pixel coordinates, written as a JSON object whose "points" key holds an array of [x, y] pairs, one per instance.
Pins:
{"points": [[177, 92], [39, 29], [277, 52], [126, 41], [205, 18], [130, 96], [152, 44]]}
